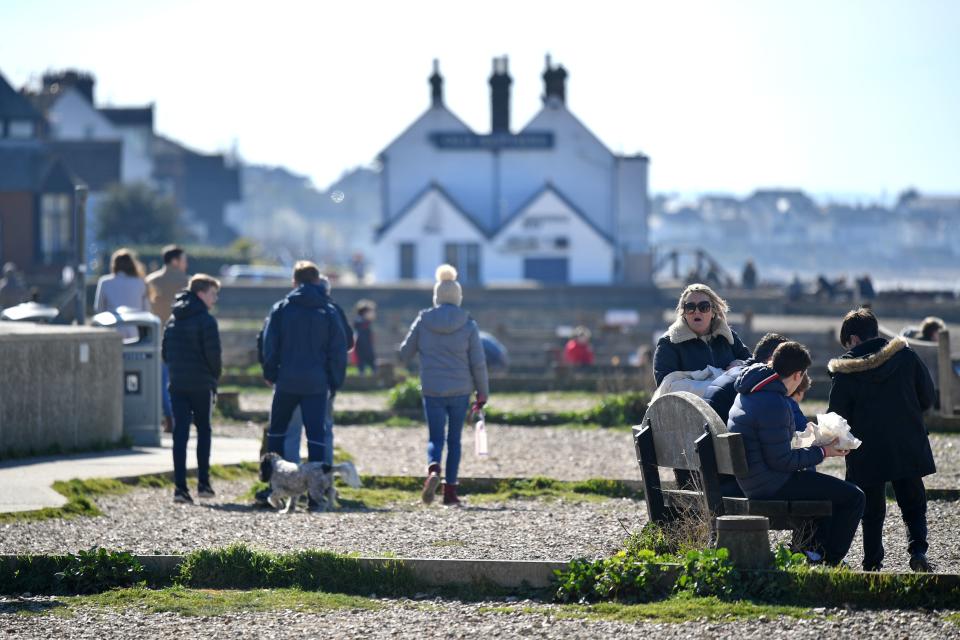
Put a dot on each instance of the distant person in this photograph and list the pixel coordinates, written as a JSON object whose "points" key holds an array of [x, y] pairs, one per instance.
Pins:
{"points": [[882, 389], [191, 350], [930, 329], [825, 288], [795, 289], [291, 444], [578, 352], [366, 313], [452, 367], [699, 337], [494, 352], [124, 287], [163, 286], [762, 415], [13, 290], [865, 288], [305, 359], [749, 278]]}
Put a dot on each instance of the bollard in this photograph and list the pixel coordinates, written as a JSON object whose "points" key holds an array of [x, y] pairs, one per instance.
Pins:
{"points": [[747, 538]]}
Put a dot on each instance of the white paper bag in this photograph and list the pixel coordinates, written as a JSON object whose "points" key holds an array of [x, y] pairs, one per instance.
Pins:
{"points": [[827, 428]]}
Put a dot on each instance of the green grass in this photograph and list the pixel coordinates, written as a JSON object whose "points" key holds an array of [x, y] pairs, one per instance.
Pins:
{"points": [[679, 608], [953, 618], [211, 602]]}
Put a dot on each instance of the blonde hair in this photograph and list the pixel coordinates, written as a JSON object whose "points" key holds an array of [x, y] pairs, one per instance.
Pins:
{"points": [[720, 307], [805, 383]]}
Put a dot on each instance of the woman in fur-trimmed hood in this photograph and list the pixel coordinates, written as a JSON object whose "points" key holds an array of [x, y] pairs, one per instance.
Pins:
{"points": [[699, 337], [882, 389]]}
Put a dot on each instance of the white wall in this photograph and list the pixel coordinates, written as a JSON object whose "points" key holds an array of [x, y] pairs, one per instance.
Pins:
{"points": [[532, 234], [430, 224]]}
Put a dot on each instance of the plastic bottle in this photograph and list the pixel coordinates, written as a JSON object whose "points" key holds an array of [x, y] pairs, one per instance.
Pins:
{"points": [[480, 436]]}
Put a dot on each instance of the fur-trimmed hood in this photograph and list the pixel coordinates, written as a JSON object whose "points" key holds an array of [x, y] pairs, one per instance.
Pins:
{"points": [[871, 355], [680, 332]]}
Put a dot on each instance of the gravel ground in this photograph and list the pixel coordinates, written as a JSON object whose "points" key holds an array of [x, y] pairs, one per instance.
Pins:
{"points": [[147, 521], [436, 619], [353, 401]]}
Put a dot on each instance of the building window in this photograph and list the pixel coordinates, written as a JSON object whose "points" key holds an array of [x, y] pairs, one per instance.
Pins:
{"points": [[547, 270], [56, 227], [20, 129], [408, 261], [465, 256]]}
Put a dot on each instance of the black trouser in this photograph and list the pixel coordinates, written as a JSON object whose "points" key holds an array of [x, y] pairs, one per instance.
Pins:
{"points": [[912, 500], [833, 534], [187, 407]]}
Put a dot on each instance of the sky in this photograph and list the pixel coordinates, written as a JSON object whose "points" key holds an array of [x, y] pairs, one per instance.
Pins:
{"points": [[846, 99]]}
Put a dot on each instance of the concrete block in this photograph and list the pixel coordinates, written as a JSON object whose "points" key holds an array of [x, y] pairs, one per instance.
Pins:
{"points": [[59, 386], [747, 538]]}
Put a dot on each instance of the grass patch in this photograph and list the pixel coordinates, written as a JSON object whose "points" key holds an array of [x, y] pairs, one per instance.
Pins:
{"points": [[954, 618], [402, 421], [210, 602], [448, 543]]}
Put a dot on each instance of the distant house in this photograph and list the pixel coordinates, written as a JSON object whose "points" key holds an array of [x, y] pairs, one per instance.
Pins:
{"points": [[201, 184], [549, 203], [37, 181]]}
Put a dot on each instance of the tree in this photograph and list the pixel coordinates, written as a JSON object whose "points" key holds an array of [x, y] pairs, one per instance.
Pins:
{"points": [[137, 214]]}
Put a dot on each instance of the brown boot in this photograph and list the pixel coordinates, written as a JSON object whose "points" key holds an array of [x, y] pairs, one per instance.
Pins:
{"points": [[450, 498], [431, 483]]}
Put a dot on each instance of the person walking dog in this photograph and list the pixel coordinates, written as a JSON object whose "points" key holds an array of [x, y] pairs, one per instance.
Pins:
{"points": [[452, 367]]}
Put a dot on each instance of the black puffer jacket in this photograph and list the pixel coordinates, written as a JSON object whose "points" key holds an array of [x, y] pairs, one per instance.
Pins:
{"points": [[191, 346], [882, 389]]}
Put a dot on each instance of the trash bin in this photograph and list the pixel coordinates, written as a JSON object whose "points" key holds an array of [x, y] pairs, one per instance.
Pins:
{"points": [[30, 312], [142, 377]]}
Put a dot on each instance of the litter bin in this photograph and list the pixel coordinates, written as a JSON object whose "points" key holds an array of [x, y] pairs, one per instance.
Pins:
{"points": [[142, 377]]}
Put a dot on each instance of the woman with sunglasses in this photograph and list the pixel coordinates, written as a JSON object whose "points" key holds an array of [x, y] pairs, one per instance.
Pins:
{"points": [[699, 337]]}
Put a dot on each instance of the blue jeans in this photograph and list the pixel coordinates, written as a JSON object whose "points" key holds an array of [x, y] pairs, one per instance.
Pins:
{"points": [[291, 443], [187, 407], [833, 534], [165, 392], [313, 408], [445, 416]]}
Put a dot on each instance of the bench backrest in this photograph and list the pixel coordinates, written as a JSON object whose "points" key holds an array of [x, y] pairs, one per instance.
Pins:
{"points": [[677, 420], [939, 360]]}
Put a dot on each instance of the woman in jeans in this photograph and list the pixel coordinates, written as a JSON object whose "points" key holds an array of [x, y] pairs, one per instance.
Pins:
{"points": [[452, 367]]}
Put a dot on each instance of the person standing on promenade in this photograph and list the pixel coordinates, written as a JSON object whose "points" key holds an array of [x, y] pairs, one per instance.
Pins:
{"points": [[163, 286]]}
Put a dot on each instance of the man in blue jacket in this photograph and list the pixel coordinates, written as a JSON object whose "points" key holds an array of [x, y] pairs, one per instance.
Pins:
{"points": [[305, 358], [763, 416]]}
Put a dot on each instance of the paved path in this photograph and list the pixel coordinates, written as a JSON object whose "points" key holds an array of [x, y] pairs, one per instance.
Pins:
{"points": [[25, 485]]}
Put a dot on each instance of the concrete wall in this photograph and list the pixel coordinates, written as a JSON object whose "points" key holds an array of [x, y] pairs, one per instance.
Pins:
{"points": [[59, 386]]}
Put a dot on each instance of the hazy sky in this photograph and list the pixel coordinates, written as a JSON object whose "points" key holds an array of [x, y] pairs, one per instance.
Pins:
{"points": [[834, 96]]}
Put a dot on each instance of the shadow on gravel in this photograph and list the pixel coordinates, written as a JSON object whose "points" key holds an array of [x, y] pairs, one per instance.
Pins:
{"points": [[28, 606], [346, 506]]}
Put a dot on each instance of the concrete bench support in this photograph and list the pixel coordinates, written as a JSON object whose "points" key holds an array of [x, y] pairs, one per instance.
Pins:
{"points": [[747, 538]]}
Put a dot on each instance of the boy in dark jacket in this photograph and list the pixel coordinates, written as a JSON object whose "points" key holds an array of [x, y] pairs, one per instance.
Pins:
{"points": [[882, 388], [305, 358], [191, 351], [763, 416]]}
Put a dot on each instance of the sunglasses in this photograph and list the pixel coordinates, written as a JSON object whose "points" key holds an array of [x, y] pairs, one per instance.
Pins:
{"points": [[703, 307]]}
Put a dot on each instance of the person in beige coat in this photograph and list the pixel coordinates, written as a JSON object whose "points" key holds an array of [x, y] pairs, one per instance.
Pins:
{"points": [[163, 286]]}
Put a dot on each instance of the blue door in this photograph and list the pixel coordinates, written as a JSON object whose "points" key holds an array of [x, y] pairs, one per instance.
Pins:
{"points": [[547, 270]]}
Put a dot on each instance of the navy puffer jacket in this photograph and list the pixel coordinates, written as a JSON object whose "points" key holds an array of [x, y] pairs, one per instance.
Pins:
{"points": [[680, 349], [304, 345], [191, 346], [763, 416]]}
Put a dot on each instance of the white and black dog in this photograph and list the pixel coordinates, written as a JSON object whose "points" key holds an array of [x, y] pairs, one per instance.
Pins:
{"points": [[288, 481]]}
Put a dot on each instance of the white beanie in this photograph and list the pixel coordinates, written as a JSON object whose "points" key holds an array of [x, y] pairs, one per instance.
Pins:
{"points": [[447, 290]]}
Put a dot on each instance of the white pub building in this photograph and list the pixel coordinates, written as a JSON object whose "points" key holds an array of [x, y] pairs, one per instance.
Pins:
{"points": [[549, 203]]}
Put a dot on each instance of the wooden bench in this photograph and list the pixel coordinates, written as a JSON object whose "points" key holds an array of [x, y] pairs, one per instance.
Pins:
{"points": [[681, 431]]}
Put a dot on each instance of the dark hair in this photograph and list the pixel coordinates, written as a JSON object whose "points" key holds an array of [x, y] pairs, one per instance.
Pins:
{"points": [[172, 252], [805, 383], [766, 346], [929, 325], [125, 261], [861, 323], [305, 272], [790, 357], [202, 282]]}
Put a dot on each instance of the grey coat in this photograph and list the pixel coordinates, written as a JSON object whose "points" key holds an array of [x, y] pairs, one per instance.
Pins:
{"points": [[451, 355]]}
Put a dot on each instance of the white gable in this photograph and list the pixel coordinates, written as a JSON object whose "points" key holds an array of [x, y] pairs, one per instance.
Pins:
{"points": [[430, 223], [549, 228], [72, 117]]}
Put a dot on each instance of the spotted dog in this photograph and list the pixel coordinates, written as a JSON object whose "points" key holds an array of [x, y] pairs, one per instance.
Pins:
{"points": [[288, 481]]}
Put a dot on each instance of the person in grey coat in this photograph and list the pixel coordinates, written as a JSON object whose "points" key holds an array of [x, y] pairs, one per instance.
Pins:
{"points": [[452, 367]]}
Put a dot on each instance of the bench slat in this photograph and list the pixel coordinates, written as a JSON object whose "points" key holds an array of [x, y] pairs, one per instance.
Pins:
{"points": [[731, 456]]}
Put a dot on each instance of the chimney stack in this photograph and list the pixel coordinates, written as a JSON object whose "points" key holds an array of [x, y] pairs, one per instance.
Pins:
{"points": [[58, 81], [500, 82], [436, 85], [554, 82]]}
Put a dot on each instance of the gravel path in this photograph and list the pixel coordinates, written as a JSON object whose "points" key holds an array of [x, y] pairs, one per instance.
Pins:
{"points": [[353, 401], [436, 619], [147, 521]]}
